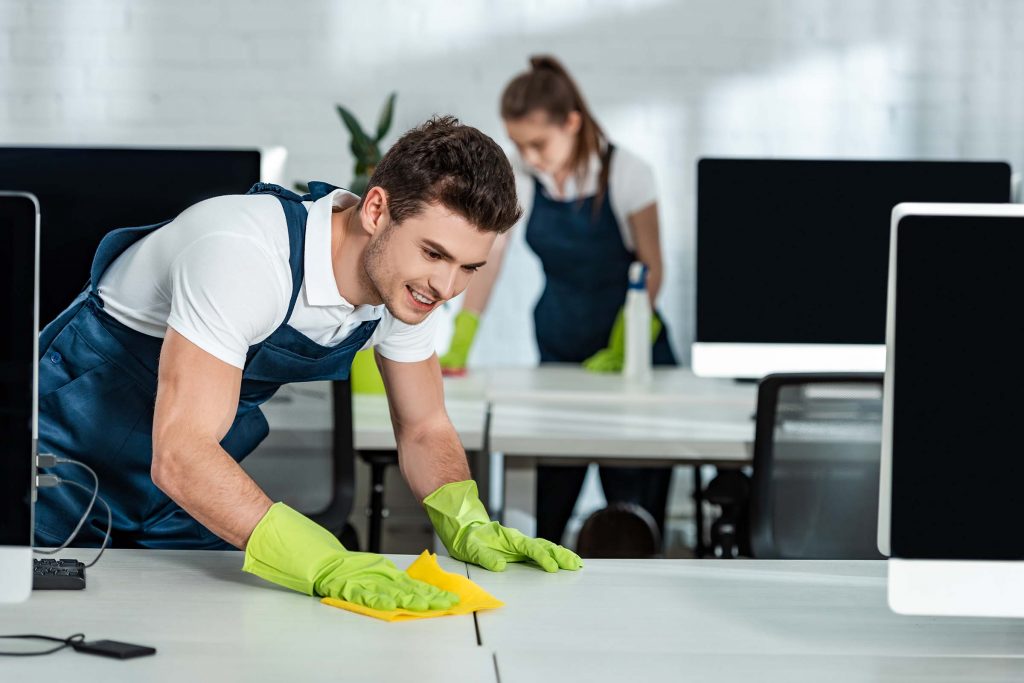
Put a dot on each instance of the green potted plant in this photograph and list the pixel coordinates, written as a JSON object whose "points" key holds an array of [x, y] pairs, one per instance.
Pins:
{"points": [[366, 148]]}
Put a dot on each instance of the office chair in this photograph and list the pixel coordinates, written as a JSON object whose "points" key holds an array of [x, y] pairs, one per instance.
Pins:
{"points": [[621, 530], [817, 447], [334, 516]]}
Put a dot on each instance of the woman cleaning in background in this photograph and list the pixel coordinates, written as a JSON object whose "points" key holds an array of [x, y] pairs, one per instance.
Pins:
{"points": [[589, 211]]}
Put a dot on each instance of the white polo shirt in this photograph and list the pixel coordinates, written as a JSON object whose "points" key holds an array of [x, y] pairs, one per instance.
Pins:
{"points": [[630, 187], [219, 275]]}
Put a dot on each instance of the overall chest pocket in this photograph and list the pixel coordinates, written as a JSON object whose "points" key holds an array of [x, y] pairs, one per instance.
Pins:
{"points": [[67, 361]]}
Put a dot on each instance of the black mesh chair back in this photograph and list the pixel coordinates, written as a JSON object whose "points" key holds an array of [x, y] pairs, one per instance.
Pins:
{"points": [[621, 530], [817, 448]]}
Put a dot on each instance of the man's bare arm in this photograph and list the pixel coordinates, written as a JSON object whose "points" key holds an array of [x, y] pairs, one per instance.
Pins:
{"points": [[196, 402], [430, 454]]}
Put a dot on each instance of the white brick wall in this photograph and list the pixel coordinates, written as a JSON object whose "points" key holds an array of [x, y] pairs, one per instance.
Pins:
{"points": [[672, 80]]}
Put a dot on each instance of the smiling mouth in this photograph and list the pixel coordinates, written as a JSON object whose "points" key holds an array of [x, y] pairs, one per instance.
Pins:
{"points": [[421, 300]]}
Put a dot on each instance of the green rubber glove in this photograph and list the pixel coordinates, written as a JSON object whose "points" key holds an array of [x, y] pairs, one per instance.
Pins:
{"points": [[465, 528], [364, 374], [613, 357], [466, 323], [291, 550]]}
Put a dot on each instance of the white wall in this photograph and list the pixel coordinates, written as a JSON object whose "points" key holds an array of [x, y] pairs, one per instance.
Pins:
{"points": [[672, 80]]}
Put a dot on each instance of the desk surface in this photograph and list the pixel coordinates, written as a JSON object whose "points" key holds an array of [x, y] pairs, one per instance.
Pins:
{"points": [[564, 411], [300, 415], [712, 433], [615, 620], [553, 409], [571, 384], [731, 621], [211, 621]]}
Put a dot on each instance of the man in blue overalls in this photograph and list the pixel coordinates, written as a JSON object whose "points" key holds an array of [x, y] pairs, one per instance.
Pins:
{"points": [[155, 374]]}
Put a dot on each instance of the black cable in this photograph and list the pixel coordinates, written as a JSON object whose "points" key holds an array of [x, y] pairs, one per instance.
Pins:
{"points": [[64, 642], [94, 493], [88, 510], [110, 521]]}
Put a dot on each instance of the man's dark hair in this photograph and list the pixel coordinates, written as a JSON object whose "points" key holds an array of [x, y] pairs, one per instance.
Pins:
{"points": [[444, 162]]}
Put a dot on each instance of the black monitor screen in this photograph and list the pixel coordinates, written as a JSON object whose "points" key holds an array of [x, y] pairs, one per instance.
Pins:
{"points": [[85, 193], [796, 252], [957, 466], [17, 365]]}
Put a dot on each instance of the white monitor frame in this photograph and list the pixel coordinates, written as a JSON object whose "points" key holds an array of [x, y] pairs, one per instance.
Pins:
{"points": [[753, 361], [16, 561], [272, 164], [938, 587]]}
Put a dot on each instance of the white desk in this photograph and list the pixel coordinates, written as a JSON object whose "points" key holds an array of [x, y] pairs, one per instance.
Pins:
{"points": [[300, 416], [569, 383], [561, 414], [209, 621], [725, 621]]}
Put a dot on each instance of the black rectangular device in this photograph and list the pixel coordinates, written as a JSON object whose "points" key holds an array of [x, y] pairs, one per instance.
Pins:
{"points": [[795, 251], [113, 648], [18, 215], [957, 469], [85, 193]]}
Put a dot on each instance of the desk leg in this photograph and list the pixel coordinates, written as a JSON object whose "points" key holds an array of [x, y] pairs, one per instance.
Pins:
{"points": [[377, 470], [480, 468], [519, 502], [699, 548]]}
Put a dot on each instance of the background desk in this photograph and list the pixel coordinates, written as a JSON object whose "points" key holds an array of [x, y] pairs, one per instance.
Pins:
{"points": [[564, 414], [209, 621], [555, 413], [711, 620]]}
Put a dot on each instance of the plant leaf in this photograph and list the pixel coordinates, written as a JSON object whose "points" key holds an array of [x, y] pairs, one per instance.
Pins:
{"points": [[384, 124], [360, 141]]}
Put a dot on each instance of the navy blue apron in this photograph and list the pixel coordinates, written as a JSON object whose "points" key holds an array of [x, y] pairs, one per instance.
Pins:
{"points": [[586, 270], [97, 389]]}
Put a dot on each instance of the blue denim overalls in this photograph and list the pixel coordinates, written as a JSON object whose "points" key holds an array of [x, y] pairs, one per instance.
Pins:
{"points": [[97, 388], [586, 270]]}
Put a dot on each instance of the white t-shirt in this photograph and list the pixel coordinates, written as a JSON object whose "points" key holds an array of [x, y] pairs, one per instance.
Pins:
{"points": [[219, 275], [630, 187]]}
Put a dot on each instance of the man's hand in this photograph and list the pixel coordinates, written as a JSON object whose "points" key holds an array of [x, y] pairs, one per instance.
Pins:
{"points": [[291, 550], [464, 526]]}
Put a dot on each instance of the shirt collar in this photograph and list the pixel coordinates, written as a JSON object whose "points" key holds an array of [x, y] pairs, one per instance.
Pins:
{"points": [[574, 189], [318, 277]]}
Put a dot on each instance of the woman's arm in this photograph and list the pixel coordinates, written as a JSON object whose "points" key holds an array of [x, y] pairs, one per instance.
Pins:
{"points": [[644, 224]]}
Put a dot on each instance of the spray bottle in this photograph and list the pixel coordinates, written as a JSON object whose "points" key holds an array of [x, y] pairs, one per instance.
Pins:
{"points": [[638, 326]]}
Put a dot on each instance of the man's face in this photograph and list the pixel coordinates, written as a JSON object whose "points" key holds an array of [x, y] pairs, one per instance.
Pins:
{"points": [[426, 260]]}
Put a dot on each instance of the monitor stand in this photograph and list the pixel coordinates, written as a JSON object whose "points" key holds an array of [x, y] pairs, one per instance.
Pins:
{"points": [[15, 573], [960, 588]]}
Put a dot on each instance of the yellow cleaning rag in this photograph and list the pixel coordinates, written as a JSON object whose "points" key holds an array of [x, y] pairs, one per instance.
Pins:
{"points": [[471, 596]]}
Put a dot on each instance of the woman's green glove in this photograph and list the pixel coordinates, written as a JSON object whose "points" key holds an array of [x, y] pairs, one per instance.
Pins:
{"points": [[613, 357], [466, 529], [466, 323], [291, 550]]}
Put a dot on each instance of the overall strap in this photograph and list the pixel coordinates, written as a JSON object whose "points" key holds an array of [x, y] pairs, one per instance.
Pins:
{"points": [[295, 216], [295, 213]]}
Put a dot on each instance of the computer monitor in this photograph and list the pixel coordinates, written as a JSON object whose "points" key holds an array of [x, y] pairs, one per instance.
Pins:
{"points": [[19, 258], [952, 471], [86, 192], [792, 257]]}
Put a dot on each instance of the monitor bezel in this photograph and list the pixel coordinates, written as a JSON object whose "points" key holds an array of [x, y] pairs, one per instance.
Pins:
{"points": [[16, 560]]}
